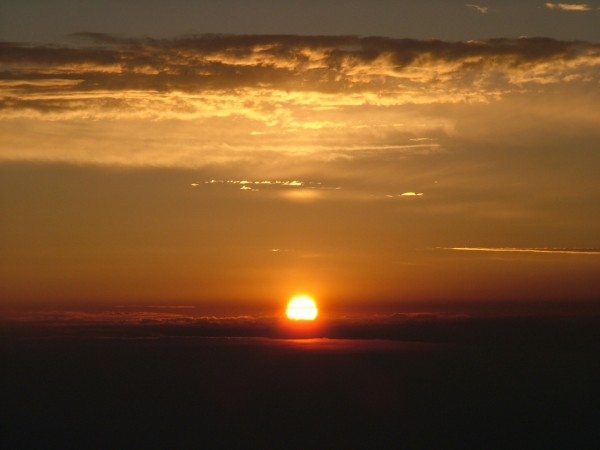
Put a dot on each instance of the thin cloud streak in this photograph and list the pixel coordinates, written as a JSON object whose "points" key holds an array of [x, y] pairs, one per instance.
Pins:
{"points": [[569, 6], [564, 251], [222, 99], [478, 8]]}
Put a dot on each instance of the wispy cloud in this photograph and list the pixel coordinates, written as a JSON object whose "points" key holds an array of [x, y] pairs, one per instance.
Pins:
{"points": [[478, 8], [405, 195], [567, 251], [296, 190], [569, 6], [257, 185], [283, 183]]}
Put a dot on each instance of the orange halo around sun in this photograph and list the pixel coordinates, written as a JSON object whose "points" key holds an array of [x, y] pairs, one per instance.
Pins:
{"points": [[302, 307]]}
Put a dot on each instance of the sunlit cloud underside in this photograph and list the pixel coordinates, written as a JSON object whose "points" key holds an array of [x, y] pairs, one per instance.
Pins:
{"points": [[216, 99]]}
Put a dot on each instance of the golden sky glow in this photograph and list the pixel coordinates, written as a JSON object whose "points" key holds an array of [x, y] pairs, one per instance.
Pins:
{"points": [[243, 168]]}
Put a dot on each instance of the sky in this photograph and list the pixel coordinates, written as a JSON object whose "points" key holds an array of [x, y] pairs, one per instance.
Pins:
{"points": [[239, 152]]}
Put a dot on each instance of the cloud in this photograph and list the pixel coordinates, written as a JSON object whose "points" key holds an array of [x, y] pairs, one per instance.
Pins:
{"points": [[289, 189], [156, 314], [569, 6], [480, 9], [563, 251], [214, 99], [406, 195], [278, 80], [266, 183]]}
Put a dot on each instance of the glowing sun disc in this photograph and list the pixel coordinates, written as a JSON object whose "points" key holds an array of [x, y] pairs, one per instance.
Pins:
{"points": [[302, 307]]}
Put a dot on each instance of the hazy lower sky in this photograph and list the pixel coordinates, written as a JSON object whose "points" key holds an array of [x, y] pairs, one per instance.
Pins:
{"points": [[244, 151]]}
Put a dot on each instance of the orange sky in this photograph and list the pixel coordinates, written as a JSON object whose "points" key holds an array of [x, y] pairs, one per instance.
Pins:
{"points": [[247, 168]]}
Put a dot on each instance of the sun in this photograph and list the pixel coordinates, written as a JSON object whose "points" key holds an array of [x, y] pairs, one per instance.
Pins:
{"points": [[302, 307]]}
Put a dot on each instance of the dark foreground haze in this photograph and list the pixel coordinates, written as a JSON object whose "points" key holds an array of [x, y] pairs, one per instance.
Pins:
{"points": [[148, 378]]}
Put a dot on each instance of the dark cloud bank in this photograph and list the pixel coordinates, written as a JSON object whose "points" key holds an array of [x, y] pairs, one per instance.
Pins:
{"points": [[404, 382]]}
